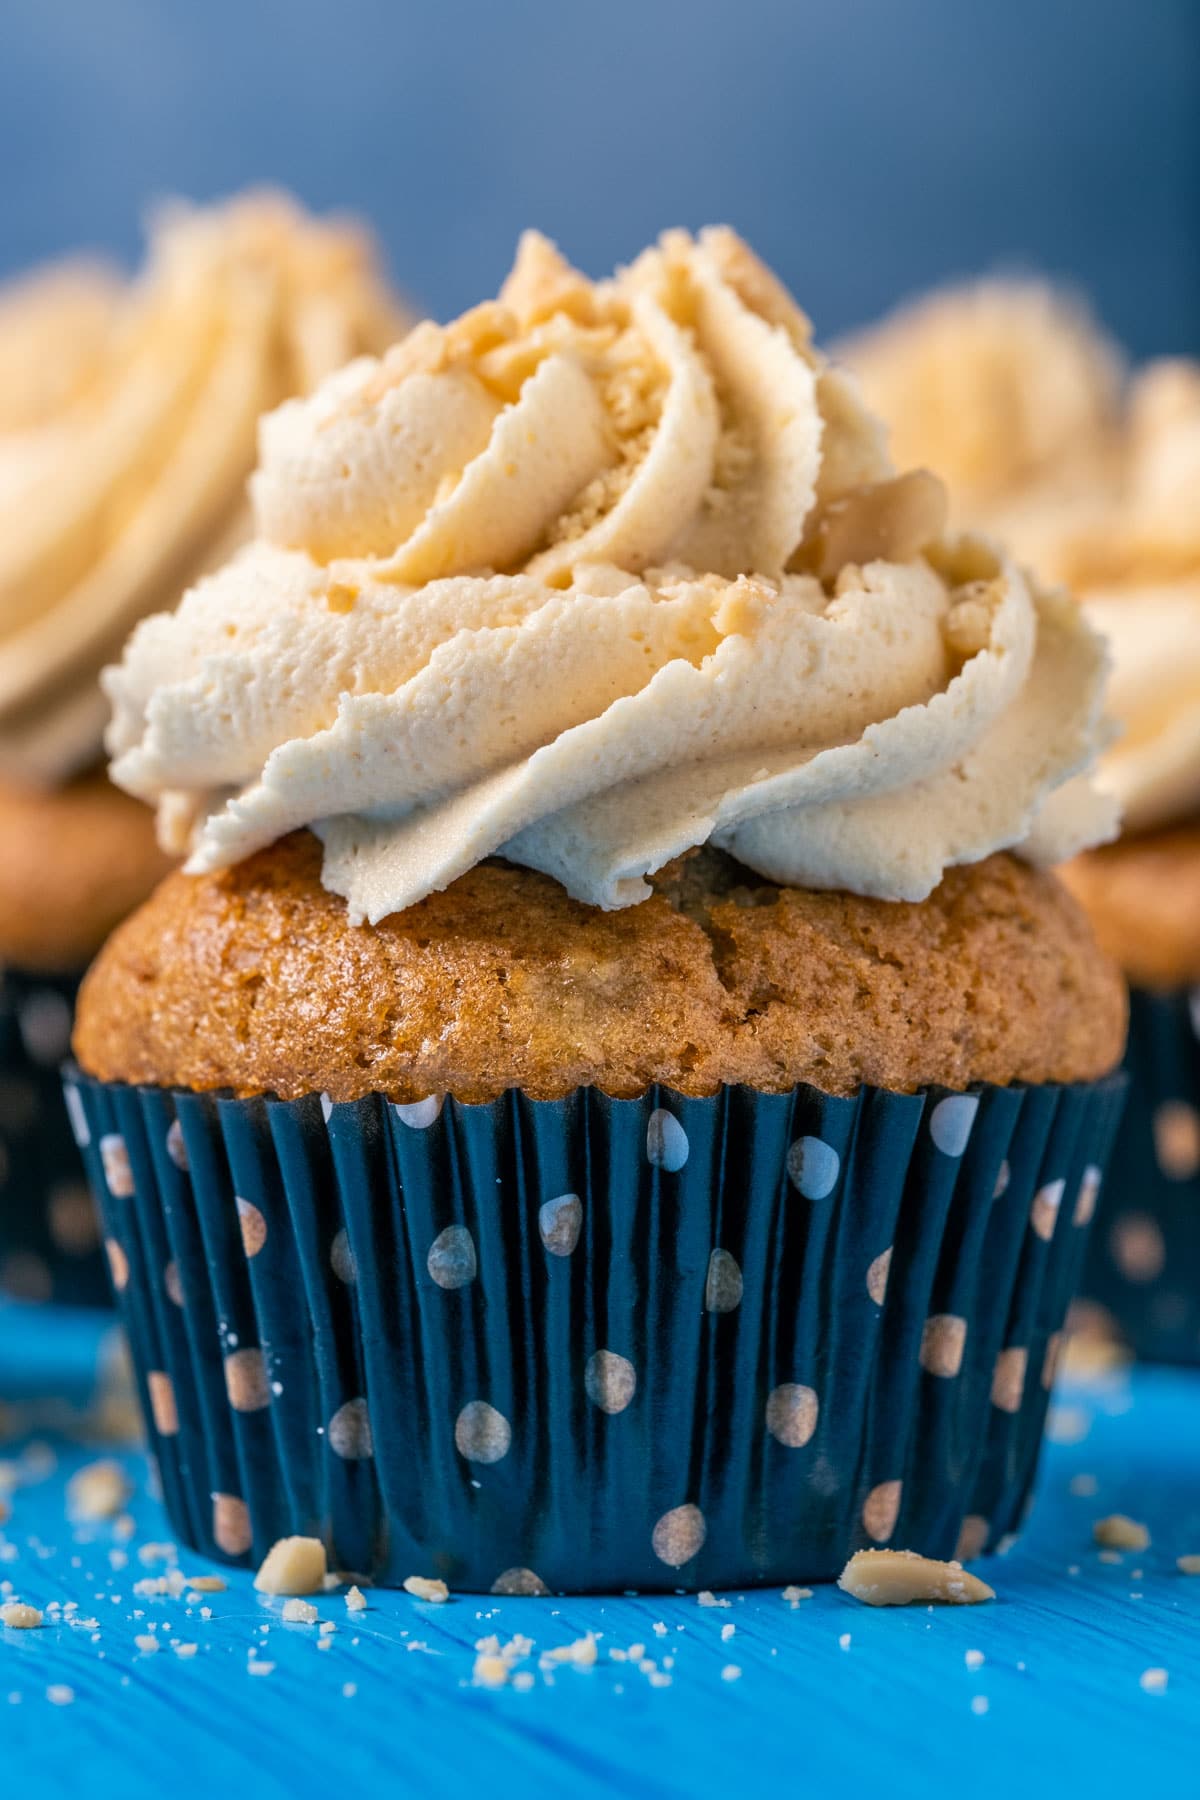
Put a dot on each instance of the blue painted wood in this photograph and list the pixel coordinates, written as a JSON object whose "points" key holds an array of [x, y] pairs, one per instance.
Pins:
{"points": [[890, 1708]]}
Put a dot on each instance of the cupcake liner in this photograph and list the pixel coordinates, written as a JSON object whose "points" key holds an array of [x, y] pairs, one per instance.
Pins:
{"points": [[1143, 1264], [597, 1344], [49, 1233]]}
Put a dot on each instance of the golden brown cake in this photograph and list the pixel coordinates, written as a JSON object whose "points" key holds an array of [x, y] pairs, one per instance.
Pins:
{"points": [[254, 980], [1143, 896], [75, 862]]}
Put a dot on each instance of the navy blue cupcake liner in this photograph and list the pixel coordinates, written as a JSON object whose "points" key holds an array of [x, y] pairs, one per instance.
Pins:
{"points": [[595, 1344], [49, 1232], [1143, 1263]]}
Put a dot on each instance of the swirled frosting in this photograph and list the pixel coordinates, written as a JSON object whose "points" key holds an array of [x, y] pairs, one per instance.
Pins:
{"points": [[127, 431], [593, 575]]}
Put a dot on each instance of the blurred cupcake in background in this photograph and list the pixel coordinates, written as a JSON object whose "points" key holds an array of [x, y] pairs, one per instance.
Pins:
{"points": [[128, 413], [1096, 478], [614, 1099]]}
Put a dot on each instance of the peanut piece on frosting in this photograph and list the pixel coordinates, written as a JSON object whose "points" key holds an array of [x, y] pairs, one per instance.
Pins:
{"points": [[295, 1565], [902, 1578], [422, 1587], [1119, 1532]]}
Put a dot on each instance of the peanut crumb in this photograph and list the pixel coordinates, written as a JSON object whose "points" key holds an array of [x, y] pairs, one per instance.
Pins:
{"points": [[705, 1598], [206, 1584], [902, 1578], [300, 1612], [794, 1595], [491, 1671], [356, 1600], [294, 1565], [1119, 1532], [99, 1491], [185, 1650], [1154, 1681], [1188, 1565], [422, 1587], [147, 1642], [18, 1617]]}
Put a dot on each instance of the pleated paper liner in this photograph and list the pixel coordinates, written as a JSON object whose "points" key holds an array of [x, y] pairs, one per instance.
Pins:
{"points": [[49, 1234], [1143, 1265], [594, 1344]]}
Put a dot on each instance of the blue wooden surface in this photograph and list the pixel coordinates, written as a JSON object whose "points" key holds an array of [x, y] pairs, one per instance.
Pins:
{"points": [[893, 1708]]}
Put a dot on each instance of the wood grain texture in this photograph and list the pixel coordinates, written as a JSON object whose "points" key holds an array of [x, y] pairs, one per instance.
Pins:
{"points": [[394, 1699]]}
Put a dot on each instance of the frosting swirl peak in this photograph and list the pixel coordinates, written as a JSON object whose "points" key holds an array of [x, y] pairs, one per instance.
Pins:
{"points": [[594, 574]]}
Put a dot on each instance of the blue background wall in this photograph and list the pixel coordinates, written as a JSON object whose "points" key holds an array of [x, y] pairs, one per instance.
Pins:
{"points": [[867, 147]]}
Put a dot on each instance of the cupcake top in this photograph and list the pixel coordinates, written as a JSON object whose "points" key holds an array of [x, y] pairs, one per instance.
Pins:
{"points": [[127, 430], [595, 574]]}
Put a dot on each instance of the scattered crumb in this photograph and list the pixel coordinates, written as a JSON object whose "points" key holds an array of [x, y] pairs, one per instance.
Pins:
{"points": [[727, 1632], [423, 1587], [705, 1598], [259, 1668], [18, 1617], [1153, 1681], [491, 1671], [185, 1650], [1188, 1565], [300, 1612], [794, 1595], [979, 1704], [99, 1491], [523, 1680], [844, 1641], [349, 1689], [294, 1565], [152, 1553], [974, 1659], [60, 1695], [1119, 1532], [731, 1672], [659, 1628], [206, 1584], [147, 1642], [356, 1600], [1083, 1486], [583, 1652], [902, 1578]]}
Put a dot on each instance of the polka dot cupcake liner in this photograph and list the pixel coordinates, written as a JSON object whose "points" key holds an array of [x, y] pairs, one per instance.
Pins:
{"points": [[595, 1344], [1143, 1263], [49, 1233]]}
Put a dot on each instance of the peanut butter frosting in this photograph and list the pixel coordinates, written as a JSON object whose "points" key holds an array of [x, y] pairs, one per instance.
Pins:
{"points": [[597, 573], [127, 431]]}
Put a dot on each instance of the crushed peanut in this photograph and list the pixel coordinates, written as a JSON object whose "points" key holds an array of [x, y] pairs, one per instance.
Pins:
{"points": [[1119, 1532], [491, 1671], [356, 1600], [99, 1491], [423, 1587], [18, 1617], [294, 1565], [206, 1584], [902, 1578]]}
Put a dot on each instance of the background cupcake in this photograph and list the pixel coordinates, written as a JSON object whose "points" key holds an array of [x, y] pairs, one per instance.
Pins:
{"points": [[603, 1108], [1098, 481], [127, 429]]}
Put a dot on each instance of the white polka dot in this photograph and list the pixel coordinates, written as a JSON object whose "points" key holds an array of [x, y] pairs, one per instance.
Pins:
{"points": [[666, 1141], [560, 1222], [246, 1380], [1089, 1193], [163, 1409], [519, 1582], [1008, 1378], [950, 1123], [942, 1344], [118, 1173], [482, 1434], [253, 1227], [1194, 1009], [341, 1259], [326, 1108], [118, 1264], [1043, 1214], [231, 1524], [1054, 1347], [723, 1284], [349, 1432], [610, 1381], [679, 1535], [877, 1276], [1137, 1247], [45, 1025], [792, 1411], [1003, 1177], [452, 1262], [813, 1167], [881, 1509], [75, 1113], [419, 1115], [173, 1284], [176, 1148], [1177, 1139]]}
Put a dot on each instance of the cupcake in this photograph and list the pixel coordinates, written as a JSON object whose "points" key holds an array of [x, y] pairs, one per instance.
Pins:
{"points": [[1140, 574], [613, 1098], [127, 431]]}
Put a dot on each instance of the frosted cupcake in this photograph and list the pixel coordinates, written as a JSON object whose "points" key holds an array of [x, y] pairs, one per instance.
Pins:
{"points": [[613, 1100], [127, 431]]}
